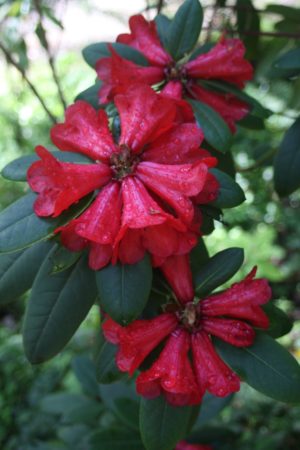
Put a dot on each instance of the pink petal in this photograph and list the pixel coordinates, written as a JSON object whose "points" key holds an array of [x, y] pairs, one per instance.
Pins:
{"points": [[144, 116], [174, 184], [139, 338], [144, 38], [118, 74], [211, 372], [234, 332], [99, 255], [111, 330], [177, 271], [130, 249], [174, 91], [84, 131], [227, 105], [225, 62], [61, 184], [70, 239], [171, 374], [209, 192]]}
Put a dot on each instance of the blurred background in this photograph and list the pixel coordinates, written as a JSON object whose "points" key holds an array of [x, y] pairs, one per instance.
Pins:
{"points": [[41, 70]]}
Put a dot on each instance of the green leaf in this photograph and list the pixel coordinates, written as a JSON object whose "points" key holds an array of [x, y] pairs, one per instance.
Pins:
{"points": [[115, 440], [162, 25], [266, 366], [252, 122], [287, 162], [288, 64], [18, 270], [280, 323], [185, 28], [161, 424], [106, 369], [63, 259], [120, 389], [57, 306], [17, 169], [211, 406], [85, 372], [286, 11], [205, 48], [230, 193], [92, 53], [127, 410], [90, 95], [248, 20], [20, 227], [219, 269], [198, 257], [124, 289], [215, 130]]}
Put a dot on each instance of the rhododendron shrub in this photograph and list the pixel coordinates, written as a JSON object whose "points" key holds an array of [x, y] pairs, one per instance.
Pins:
{"points": [[116, 215]]}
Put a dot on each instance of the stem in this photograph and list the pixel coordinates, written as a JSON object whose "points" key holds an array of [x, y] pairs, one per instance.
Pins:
{"points": [[49, 56], [14, 63]]}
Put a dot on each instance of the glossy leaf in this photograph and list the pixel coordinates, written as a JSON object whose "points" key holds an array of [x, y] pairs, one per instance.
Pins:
{"points": [[230, 193], [198, 257], [106, 369], [17, 169], [161, 424], [92, 53], [248, 21], [124, 289], [18, 270], [162, 26], [85, 372], [120, 389], [266, 366], [63, 259], [219, 269], [115, 439], [287, 162], [288, 12], [211, 406], [280, 323], [20, 227], [215, 130], [90, 95], [288, 63], [183, 33], [127, 410], [57, 306]]}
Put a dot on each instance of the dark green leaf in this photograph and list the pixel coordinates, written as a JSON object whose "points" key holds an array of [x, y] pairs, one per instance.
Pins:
{"points": [[161, 424], [40, 32], [120, 389], [20, 227], [185, 28], [213, 434], [92, 53], [91, 95], [219, 269], [266, 366], [289, 63], [225, 161], [230, 193], [215, 130], [287, 162], [248, 20], [115, 440], [63, 259], [18, 270], [199, 256], [280, 323], [106, 369], [17, 169], [124, 289], [127, 411], [211, 406], [162, 25], [252, 122], [288, 12], [85, 372], [57, 306], [205, 48]]}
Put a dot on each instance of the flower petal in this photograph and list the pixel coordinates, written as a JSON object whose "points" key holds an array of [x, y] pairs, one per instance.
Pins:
{"points": [[84, 131], [61, 184], [99, 255], [111, 331], [171, 374], [225, 62], [144, 38], [183, 445], [209, 192], [235, 332], [144, 116], [177, 271], [130, 249], [211, 372]]}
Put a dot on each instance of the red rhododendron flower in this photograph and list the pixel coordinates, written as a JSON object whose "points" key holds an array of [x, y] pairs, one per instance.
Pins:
{"points": [[225, 62], [146, 184], [227, 315], [183, 445]]}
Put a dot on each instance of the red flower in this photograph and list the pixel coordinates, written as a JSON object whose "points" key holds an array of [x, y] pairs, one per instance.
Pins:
{"points": [[183, 445], [146, 184], [190, 327], [223, 62]]}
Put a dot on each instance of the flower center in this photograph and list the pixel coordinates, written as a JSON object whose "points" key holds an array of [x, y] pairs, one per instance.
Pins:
{"points": [[190, 317], [175, 72], [123, 162]]}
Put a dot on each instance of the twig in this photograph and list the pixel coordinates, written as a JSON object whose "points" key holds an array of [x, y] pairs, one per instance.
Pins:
{"points": [[14, 63], [49, 56], [160, 5]]}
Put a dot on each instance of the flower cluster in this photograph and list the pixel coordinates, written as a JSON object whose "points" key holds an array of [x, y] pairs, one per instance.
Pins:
{"points": [[188, 364], [225, 62]]}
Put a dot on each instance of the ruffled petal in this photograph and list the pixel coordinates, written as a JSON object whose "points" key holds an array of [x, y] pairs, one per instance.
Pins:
{"points": [[174, 184], [118, 74], [227, 105], [235, 332], [84, 131], [225, 62], [59, 185], [144, 116], [172, 373], [144, 38], [178, 146], [139, 338], [177, 271], [211, 372]]}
